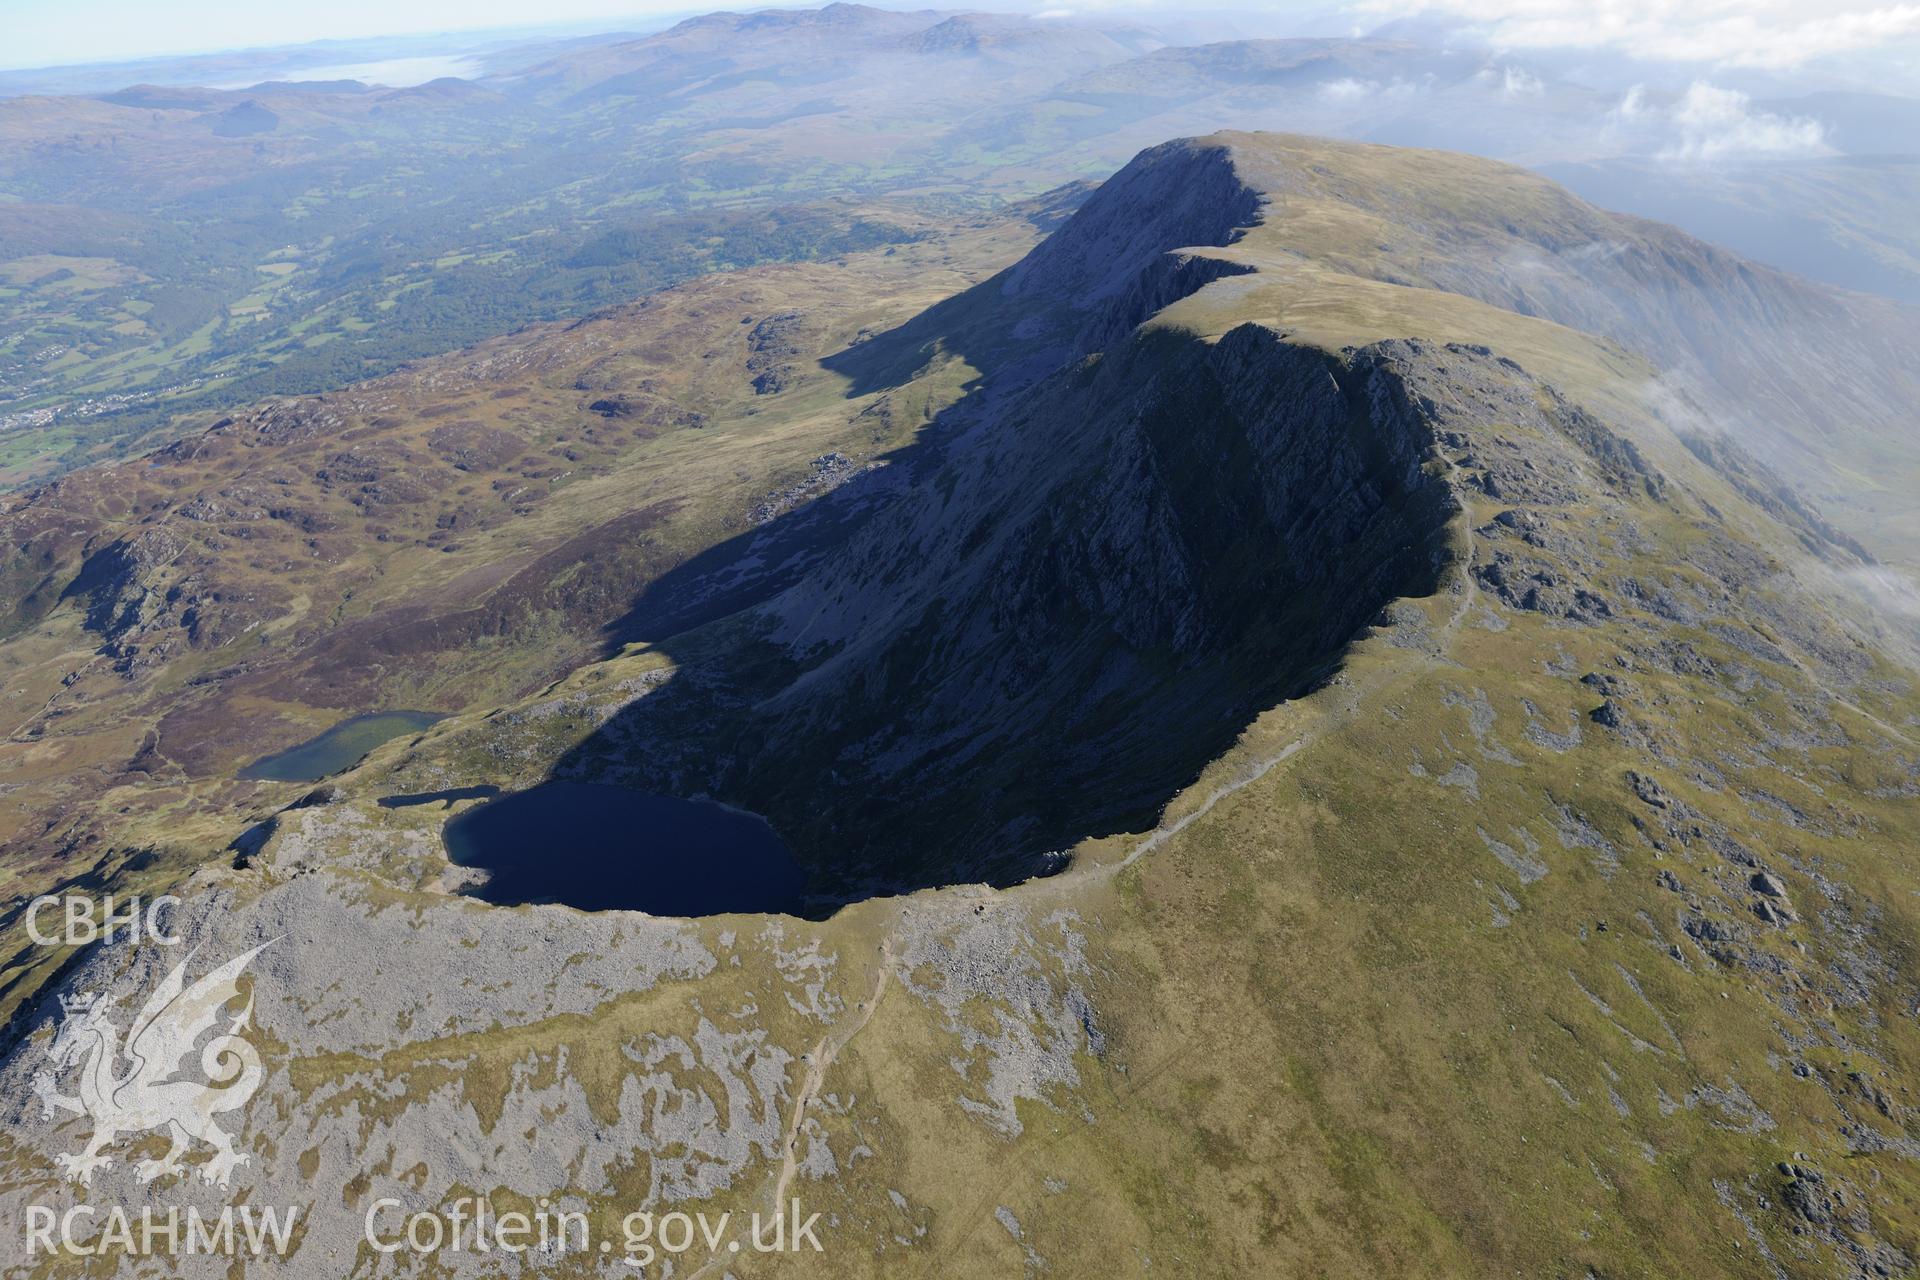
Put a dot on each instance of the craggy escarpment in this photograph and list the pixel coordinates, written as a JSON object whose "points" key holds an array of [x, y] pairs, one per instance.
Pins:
{"points": [[1181, 194], [1168, 279], [1137, 245], [1117, 261], [1067, 618]]}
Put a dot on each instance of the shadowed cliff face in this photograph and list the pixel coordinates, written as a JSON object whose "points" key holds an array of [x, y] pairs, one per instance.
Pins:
{"points": [[1078, 603], [1042, 620], [1120, 258]]}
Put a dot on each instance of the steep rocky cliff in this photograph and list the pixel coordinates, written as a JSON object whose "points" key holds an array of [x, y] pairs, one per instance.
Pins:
{"points": [[1080, 601]]}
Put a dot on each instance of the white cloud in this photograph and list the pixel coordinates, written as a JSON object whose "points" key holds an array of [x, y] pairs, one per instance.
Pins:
{"points": [[1893, 592], [1518, 83], [1349, 90], [1512, 82], [1521, 83], [1716, 124], [1744, 33]]}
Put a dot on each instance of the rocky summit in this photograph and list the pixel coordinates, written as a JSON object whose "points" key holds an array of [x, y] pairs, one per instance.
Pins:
{"points": [[1332, 708]]}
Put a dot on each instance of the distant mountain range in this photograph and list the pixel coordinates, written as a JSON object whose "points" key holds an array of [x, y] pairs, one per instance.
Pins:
{"points": [[168, 250]]}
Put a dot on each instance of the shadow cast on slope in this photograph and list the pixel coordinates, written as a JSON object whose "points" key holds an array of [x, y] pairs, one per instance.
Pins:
{"points": [[1040, 620]]}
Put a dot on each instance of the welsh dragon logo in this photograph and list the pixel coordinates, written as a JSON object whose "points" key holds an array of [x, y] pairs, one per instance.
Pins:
{"points": [[155, 1090]]}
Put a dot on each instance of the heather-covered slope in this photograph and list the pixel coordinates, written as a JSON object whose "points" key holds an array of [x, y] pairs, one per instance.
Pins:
{"points": [[441, 539]]}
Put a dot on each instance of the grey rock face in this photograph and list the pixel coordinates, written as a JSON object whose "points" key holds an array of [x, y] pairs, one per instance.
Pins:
{"points": [[772, 349], [1180, 195], [1131, 561]]}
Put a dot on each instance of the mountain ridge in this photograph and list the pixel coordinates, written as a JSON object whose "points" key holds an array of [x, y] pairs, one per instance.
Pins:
{"points": [[1302, 770]]}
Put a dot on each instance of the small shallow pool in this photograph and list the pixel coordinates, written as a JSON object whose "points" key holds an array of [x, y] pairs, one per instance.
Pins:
{"points": [[338, 748]]}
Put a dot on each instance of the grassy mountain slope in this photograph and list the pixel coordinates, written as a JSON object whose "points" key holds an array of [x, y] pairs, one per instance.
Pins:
{"points": [[1537, 897], [1834, 219], [1815, 381]]}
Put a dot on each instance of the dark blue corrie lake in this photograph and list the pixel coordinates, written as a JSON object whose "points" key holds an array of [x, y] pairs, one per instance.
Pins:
{"points": [[610, 849]]}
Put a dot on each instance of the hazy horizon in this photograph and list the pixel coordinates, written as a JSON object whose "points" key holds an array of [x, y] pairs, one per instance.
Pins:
{"points": [[1786, 36]]}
